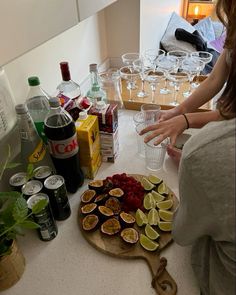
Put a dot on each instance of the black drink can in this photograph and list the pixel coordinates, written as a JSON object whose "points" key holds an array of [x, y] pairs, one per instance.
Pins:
{"points": [[48, 228], [31, 188], [42, 172], [17, 180], [56, 190]]}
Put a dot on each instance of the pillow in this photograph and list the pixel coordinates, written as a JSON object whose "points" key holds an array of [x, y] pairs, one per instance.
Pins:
{"points": [[219, 28], [218, 43], [205, 28], [169, 42]]}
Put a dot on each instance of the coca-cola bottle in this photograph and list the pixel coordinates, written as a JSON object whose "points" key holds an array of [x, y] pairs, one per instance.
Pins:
{"points": [[60, 130]]}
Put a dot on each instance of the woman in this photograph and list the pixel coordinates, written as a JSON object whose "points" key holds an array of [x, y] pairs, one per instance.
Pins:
{"points": [[172, 122]]}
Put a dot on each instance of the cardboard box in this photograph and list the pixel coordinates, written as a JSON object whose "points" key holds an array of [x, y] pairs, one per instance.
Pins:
{"points": [[109, 146], [90, 166]]}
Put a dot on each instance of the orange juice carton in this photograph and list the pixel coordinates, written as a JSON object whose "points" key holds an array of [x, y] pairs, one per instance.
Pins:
{"points": [[87, 135], [90, 166], [109, 146], [107, 116]]}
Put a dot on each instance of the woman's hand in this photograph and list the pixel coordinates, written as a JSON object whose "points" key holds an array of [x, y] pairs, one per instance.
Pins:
{"points": [[170, 128], [168, 114]]}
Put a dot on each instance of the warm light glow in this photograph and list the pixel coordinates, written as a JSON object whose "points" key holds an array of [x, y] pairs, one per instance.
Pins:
{"points": [[196, 10]]}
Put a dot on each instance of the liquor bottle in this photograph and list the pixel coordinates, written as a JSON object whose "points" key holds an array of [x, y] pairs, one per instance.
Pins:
{"points": [[33, 149], [38, 105], [68, 91], [95, 93], [62, 139]]}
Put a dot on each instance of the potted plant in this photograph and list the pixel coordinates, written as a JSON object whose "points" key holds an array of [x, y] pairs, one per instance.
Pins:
{"points": [[14, 217]]}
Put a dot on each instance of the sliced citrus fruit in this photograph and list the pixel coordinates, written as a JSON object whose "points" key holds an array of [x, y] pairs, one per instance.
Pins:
{"points": [[163, 189], [157, 197], [165, 204], [147, 243], [141, 218], [153, 217], [151, 233], [149, 202], [147, 185], [166, 215], [165, 225], [154, 179]]}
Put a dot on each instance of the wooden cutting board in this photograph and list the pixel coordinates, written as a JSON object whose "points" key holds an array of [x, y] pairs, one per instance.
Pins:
{"points": [[115, 246]]}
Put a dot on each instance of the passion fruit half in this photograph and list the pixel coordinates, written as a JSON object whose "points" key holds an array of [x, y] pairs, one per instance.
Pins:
{"points": [[100, 199], [96, 185], [105, 212], [114, 204], [116, 192], [88, 196], [130, 235], [90, 222], [126, 219], [89, 208], [111, 226]]}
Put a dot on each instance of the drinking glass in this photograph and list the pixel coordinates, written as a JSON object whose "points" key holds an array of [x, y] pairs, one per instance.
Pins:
{"points": [[192, 67], [152, 55], [154, 77], [167, 64], [203, 56], [141, 65], [155, 154], [128, 59], [151, 113], [140, 139], [130, 75], [177, 78]]}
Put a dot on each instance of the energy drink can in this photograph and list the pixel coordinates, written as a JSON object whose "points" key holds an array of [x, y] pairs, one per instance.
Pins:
{"points": [[31, 188], [17, 180], [48, 228], [56, 190], [42, 172]]}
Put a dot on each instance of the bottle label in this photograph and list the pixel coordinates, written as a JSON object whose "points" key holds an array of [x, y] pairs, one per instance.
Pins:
{"points": [[63, 149], [38, 154]]}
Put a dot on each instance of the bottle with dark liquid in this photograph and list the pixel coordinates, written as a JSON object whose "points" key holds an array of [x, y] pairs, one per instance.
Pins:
{"points": [[60, 131]]}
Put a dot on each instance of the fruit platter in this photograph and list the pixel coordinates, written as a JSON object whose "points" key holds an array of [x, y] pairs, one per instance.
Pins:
{"points": [[130, 216]]}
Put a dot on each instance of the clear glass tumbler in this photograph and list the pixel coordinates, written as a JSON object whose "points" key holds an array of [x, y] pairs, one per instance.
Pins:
{"points": [[151, 113], [155, 154], [140, 139]]}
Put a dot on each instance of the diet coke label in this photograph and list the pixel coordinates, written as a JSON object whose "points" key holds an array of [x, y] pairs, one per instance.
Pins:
{"points": [[63, 149]]}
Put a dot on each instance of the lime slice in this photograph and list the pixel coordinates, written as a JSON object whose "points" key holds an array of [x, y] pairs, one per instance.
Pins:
{"points": [[141, 218], [147, 243], [154, 179], [153, 217], [157, 197], [163, 189], [147, 185], [151, 233], [165, 225], [148, 201], [165, 204], [166, 215]]}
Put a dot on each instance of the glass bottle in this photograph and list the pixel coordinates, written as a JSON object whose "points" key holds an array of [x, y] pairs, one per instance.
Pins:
{"points": [[95, 93], [33, 149], [38, 105]]}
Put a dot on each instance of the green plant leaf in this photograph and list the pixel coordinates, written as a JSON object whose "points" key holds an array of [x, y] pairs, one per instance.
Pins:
{"points": [[39, 206], [7, 195], [29, 224], [20, 210], [12, 165], [6, 213], [30, 170]]}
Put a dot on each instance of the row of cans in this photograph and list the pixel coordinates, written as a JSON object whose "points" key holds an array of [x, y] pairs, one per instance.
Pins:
{"points": [[49, 186]]}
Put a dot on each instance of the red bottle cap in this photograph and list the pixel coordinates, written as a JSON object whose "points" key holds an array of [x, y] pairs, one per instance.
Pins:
{"points": [[65, 71]]}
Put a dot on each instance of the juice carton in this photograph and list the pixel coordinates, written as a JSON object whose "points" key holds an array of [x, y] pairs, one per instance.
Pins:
{"points": [[107, 116], [109, 146], [90, 166]]}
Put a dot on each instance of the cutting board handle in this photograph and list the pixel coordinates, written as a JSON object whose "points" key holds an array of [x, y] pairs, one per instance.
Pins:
{"points": [[162, 282]]}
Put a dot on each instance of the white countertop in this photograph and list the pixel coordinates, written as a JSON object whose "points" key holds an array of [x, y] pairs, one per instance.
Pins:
{"points": [[68, 265]]}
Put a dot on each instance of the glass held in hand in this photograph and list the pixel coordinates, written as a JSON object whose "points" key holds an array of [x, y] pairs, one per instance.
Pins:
{"points": [[140, 139], [154, 78], [205, 57], [177, 78], [141, 65], [130, 74], [155, 154], [167, 63], [152, 56], [151, 113], [128, 59], [192, 67]]}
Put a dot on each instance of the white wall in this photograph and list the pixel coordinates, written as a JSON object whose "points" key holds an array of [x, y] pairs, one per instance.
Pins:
{"points": [[154, 17], [81, 45]]}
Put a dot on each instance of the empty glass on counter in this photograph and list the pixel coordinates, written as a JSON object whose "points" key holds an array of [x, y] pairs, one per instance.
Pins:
{"points": [[130, 74], [177, 78], [154, 77], [155, 154], [151, 113], [140, 139], [141, 65], [152, 55], [128, 59]]}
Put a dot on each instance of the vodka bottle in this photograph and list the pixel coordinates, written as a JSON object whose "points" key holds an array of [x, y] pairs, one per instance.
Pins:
{"points": [[38, 105], [95, 93]]}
